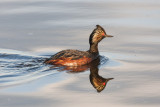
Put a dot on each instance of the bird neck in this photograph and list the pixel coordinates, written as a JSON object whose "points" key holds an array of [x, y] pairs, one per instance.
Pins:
{"points": [[94, 71], [94, 48]]}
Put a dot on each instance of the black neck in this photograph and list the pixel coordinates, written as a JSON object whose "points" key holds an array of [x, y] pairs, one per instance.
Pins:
{"points": [[94, 48], [94, 71]]}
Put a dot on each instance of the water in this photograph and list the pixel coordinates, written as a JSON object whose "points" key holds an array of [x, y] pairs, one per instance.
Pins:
{"points": [[31, 31]]}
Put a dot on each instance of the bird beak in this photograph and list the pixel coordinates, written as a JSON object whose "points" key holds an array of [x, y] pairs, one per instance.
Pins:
{"points": [[110, 78], [108, 35]]}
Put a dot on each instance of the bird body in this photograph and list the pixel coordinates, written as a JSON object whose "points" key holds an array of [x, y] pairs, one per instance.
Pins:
{"points": [[72, 57]]}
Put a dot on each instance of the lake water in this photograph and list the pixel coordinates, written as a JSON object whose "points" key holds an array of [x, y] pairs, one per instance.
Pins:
{"points": [[33, 30]]}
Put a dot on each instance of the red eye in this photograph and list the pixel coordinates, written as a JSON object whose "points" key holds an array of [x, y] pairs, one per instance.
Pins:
{"points": [[104, 83], [103, 34]]}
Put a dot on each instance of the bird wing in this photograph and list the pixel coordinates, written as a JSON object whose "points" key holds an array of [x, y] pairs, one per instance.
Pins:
{"points": [[73, 54]]}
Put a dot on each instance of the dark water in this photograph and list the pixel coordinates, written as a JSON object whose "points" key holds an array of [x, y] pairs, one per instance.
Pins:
{"points": [[33, 30]]}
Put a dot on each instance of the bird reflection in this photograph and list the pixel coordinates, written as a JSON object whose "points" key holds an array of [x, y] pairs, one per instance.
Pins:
{"points": [[97, 81]]}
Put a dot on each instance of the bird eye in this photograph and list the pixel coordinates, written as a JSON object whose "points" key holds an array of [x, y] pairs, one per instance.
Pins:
{"points": [[103, 34]]}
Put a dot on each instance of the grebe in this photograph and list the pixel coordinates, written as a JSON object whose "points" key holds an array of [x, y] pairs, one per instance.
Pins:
{"points": [[97, 81], [72, 57]]}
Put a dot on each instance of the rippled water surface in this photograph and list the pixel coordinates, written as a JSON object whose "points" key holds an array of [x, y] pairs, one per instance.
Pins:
{"points": [[126, 75]]}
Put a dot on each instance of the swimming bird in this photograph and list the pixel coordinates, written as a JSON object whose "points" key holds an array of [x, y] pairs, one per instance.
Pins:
{"points": [[72, 57]]}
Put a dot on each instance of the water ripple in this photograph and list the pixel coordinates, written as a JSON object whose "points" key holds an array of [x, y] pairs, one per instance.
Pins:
{"points": [[20, 67], [23, 67]]}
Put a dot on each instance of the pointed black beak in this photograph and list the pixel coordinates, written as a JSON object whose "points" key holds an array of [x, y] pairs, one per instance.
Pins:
{"points": [[109, 79], [108, 35]]}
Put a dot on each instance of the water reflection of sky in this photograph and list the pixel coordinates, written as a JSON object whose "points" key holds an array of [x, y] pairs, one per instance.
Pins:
{"points": [[31, 86]]}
